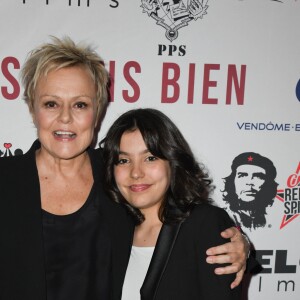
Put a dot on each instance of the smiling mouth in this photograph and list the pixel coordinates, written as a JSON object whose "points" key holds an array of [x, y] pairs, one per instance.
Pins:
{"points": [[139, 187], [64, 134]]}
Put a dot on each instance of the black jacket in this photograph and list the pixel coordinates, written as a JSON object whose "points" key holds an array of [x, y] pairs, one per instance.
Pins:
{"points": [[178, 269], [22, 266]]}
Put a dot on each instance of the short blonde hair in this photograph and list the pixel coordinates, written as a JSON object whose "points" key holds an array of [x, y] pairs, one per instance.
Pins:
{"points": [[59, 54]]}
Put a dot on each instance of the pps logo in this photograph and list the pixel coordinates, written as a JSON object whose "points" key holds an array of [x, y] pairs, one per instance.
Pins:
{"points": [[174, 14], [7, 151], [290, 196], [250, 189]]}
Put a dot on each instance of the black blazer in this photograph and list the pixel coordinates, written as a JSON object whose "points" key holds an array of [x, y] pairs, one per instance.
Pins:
{"points": [[178, 269], [22, 268]]}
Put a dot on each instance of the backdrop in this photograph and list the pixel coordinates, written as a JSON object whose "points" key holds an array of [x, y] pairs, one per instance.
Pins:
{"points": [[227, 73]]}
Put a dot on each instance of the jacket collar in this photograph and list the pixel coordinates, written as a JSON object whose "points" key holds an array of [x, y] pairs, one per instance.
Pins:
{"points": [[159, 261]]}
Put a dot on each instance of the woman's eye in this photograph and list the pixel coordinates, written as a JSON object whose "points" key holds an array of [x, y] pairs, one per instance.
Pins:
{"points": [[50, 104], [81, 105]]}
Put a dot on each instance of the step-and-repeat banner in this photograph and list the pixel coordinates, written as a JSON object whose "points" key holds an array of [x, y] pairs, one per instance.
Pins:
{"points": [[227, 73]]}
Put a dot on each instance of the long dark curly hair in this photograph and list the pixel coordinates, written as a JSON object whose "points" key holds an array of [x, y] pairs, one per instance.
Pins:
{"points": [[189, 184]]}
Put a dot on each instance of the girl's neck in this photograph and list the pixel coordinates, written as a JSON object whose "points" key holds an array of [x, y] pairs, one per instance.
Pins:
{"points": [[146, 234]]}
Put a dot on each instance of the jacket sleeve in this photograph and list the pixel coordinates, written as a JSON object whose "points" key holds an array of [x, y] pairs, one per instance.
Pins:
{"points": [[212, 286]]}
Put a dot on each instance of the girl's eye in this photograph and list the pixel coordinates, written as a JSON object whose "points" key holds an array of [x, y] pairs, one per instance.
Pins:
{"points": [[151, 158], [50, 104], [122, 161], [81, 105]]}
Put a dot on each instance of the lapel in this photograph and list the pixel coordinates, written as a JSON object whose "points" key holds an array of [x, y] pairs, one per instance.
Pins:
{"points": [[159, 261]]}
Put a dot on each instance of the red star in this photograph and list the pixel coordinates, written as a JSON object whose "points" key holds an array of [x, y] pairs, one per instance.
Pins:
{"points": [[250, 158]]}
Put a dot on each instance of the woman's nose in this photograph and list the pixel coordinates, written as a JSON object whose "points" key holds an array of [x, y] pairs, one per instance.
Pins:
{"points": [[66, 115]]}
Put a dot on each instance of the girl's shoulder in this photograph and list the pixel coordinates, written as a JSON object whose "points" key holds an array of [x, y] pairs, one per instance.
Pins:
{"points": [[209, 214]]}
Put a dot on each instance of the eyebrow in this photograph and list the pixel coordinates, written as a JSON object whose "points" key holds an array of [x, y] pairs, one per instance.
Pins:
{"points": [[57, 97], [254, 174], [259, 173]]}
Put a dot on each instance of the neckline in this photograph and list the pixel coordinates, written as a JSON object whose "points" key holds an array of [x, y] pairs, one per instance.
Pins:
{"points": [[78, 211], [90, 196], [139, 247]]}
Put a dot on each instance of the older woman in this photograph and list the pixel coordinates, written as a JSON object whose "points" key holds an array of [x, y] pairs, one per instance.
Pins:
{"points": [[61, 238]]}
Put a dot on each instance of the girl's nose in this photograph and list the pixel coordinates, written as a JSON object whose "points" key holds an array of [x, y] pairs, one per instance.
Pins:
{"points": [[137, 171]]}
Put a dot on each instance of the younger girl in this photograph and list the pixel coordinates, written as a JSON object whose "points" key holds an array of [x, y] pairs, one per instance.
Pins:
{"points": [[152, 171]]}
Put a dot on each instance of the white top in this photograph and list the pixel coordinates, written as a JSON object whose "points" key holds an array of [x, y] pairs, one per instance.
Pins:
{"points": [[138, 265]]}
